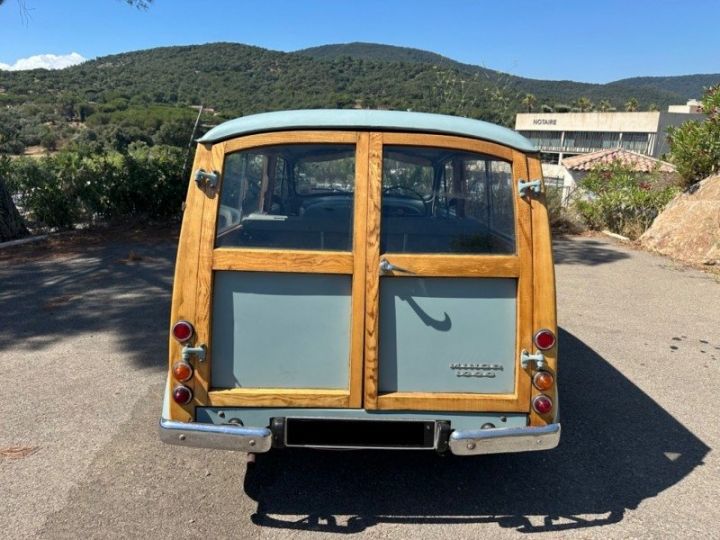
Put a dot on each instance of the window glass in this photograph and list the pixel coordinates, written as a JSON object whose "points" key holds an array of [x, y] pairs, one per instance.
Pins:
{"points": [[290, 197], [437, 200]]}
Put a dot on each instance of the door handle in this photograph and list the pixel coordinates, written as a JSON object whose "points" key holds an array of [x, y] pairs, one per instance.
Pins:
{"points": [[386, 267]]}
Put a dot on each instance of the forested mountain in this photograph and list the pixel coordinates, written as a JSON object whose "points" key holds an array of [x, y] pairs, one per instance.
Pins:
{"points": [[687, 86], [379, 52], [676, 89], [147, 95]]}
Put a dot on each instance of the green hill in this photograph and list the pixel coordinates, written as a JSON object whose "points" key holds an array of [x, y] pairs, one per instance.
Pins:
{"points": [[687, 86], [660, 91], [147, 95]]}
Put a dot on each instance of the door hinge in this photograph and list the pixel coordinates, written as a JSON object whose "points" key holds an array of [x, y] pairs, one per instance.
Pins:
{"points": [[206, 180], [532, 185], [537, 358], [188, 351]]}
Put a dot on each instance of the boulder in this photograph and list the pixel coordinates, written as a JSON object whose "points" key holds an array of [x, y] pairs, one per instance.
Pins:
{"points": [[689, 227]]}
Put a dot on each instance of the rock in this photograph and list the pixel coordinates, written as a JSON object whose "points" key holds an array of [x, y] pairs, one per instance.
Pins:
{"points": [[689, 227]]}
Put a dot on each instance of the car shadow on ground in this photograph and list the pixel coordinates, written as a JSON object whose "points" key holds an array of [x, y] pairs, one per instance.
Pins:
{"points": [[586, 251], [618, 448]]}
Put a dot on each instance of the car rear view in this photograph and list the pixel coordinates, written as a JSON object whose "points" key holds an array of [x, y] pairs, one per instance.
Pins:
{"points": [[363, 279]]}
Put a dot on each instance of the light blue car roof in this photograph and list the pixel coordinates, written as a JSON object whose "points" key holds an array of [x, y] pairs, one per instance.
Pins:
{"points": [[367, 120]]}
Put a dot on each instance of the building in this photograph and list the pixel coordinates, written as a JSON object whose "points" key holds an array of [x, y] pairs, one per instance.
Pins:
{"points": [[560, 135], [692, 106]]}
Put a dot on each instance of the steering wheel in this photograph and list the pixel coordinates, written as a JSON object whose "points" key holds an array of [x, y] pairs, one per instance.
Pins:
{"points": [[404, 189]]}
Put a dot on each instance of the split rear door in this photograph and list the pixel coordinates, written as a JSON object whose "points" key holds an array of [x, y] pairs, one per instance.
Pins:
{"points": [[358, 269]]}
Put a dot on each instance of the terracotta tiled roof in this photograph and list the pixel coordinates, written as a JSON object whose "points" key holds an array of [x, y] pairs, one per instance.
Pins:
{"points": [[638, 162]]}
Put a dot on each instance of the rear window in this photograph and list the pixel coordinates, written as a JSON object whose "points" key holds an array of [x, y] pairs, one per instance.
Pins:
{"points": [[438, 200], [288, 197]]}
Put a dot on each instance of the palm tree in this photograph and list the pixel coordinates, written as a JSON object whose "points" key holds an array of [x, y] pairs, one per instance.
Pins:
{"points": [[604, 105], [631, 105], [529, 102], [653, 107], [584, 104]]}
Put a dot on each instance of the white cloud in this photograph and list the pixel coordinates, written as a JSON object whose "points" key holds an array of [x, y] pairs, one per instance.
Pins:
{"points": [[45, 61]]}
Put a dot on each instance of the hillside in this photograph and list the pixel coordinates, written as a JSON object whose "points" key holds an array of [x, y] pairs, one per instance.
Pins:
{"points": [[658, 90], [378, 52], [147, 95], [688, 86]]}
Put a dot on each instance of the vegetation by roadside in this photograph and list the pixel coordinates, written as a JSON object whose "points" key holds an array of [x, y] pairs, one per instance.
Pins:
{"points": [[695, 146], [83, 186]]}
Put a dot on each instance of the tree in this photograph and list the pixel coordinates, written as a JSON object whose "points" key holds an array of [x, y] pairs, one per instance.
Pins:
{"points": [[584, 104], [604, 105], [695, 146], [529, 102], [631, 105], [653, 107], [11, 223]]}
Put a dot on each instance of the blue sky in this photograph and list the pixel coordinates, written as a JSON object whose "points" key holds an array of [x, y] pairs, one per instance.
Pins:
{"points": [[605, 41]]}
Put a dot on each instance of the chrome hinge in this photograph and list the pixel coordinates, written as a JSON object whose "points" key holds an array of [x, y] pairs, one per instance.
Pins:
{"points": [[532, 185], [206, 180], [188, 351], [537, 358]]}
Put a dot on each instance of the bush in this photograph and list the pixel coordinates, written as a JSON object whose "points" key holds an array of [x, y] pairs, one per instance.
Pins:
{"points": [[74, 187], [695, 146], [563, 220], [621, 200]]}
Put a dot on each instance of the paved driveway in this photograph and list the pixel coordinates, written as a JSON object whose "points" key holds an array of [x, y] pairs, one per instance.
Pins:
{"points": [[82, 350]]}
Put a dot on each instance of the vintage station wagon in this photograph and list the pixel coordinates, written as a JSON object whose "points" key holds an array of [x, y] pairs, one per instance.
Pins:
{"points": [[363, 279]]}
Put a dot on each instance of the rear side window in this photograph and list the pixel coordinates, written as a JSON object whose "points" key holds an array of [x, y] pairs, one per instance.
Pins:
{"points": [[288, 197], [438, 200]]}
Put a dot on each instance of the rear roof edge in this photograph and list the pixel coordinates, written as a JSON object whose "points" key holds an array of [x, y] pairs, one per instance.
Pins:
{"points": [[367, 120]]}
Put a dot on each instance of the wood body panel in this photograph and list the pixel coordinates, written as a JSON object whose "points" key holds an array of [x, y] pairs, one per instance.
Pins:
{"points": [[449, 141], [433, 265], [544, 300], [287, 137], [372, 275], [427, 401], [357, 338], [187, 270], [271, 260], [525, 278], [279, 397]]}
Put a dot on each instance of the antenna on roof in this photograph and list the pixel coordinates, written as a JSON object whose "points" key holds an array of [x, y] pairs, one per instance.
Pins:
{"points": [[192, 138]]}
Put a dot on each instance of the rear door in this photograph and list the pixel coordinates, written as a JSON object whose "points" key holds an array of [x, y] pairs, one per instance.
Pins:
{"points": [[282, 268], [448, 276]]}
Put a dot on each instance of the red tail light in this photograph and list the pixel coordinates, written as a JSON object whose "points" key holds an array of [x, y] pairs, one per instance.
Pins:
{"points": [[544, 339], [182, 395], [182, 371], [542, 404], [183, 331]]}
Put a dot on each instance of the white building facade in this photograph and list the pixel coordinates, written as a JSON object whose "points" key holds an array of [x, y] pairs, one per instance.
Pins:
{"points": [[559, 135]]}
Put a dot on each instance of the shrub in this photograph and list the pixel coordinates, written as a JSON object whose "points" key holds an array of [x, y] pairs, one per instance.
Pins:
{"points": [[563, 220], [695, 146], [73, 187], [621, 200]]}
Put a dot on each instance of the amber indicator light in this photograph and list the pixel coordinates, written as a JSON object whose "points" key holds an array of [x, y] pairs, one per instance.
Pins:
{"points": [[182, 371], [543, 380]]}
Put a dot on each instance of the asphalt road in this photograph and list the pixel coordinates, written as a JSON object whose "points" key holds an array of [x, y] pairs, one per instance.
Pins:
{"points": [[82, 350]]}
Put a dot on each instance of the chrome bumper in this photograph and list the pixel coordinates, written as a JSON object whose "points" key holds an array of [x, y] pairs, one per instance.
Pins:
{"points": [[258, 440], [220, 437], [501, 440]]}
